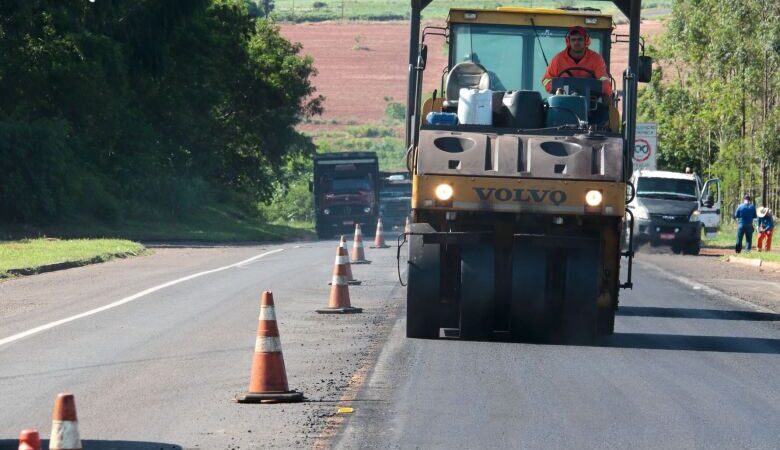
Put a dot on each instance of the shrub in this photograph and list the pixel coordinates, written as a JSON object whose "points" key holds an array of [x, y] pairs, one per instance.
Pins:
{"points": [[395, 111]]}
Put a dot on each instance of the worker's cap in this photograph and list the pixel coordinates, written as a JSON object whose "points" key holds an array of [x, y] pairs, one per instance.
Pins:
{"points": [[746, 197], [578, 31], [762, 211]]}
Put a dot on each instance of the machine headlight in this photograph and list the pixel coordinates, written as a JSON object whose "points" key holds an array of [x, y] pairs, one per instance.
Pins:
{"points": [[640, 213], [326, 211], [367, 210], [593, 198], [444, 192], [694, 216]]}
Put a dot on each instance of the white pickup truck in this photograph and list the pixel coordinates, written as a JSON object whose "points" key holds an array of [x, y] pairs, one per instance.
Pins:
{"points": [[673, 209]]}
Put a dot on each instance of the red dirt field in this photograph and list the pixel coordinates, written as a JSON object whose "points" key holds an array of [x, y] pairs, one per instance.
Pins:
{"points": [[361, 63]]}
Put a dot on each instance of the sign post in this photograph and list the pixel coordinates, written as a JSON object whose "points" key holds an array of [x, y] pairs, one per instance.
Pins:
{"points": [[646, 146]]}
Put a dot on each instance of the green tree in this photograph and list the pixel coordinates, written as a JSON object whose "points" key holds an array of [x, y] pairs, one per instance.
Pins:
{"points": [[715, 101], [147, 102]]}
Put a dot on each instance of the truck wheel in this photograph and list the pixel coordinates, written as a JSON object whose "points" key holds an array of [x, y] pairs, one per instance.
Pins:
{"points": [[529, 315], [693, 248], [580, 316], [322, 233], [422, 292], [477, 291]]}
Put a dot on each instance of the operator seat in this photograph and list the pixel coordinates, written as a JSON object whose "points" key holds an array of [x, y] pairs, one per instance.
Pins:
{"points": [[464, 75]]}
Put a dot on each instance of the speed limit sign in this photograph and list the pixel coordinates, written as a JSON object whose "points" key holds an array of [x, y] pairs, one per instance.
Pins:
{"points": [[645, 146]]}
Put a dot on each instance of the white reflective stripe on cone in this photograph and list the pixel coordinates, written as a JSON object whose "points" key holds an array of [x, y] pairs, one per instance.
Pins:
{"points": [[268, 344], [339, 280], [342, 259], [267, 313], [65, 435]]}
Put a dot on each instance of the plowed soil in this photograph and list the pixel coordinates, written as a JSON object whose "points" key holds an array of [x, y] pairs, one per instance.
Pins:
{"points": [[362, 63]]}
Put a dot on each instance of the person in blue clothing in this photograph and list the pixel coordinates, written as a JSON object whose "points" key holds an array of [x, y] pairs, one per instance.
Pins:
{"points": [[745, 214]]}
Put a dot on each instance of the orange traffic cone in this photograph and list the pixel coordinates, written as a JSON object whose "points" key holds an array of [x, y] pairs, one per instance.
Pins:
{"points": [[379, 239], [339, 290], [29, 440], [407, 227], [268, 381], [342, 257], [358, 255], [65, 424]]}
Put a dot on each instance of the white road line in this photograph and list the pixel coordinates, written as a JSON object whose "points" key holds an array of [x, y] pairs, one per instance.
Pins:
{"points": [[129, 299]]}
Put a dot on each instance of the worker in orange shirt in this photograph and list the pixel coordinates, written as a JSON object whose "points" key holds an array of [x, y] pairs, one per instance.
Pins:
{"points": [[577, 60]]}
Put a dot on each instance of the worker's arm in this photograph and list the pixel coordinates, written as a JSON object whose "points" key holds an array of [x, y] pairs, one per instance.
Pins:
{"points": [[552, 71]]}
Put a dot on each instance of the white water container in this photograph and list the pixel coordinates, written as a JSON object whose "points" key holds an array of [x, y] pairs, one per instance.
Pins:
{"points": [[475, 107]]}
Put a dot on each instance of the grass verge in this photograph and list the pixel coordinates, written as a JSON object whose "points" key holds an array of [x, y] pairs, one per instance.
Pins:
{"points": [[27, 250], [727, 238], [210, 223], [30, 256]]}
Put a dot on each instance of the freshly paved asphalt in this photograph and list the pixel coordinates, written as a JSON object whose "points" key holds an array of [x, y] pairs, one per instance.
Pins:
{"points": [[686, 369]]}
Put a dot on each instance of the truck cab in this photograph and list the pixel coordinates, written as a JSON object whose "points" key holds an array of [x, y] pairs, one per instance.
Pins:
{"points": [[345, 188], [670, 209]]}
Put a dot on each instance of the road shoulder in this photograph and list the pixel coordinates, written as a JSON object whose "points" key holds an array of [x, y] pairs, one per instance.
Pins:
{"points": [[747, 284]]}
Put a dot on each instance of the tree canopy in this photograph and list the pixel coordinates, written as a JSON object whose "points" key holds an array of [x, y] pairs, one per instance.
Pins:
{"points": [[716, 98], [123, 104]]}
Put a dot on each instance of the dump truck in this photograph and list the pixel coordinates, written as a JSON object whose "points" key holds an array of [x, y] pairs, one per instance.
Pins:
{"points": [[519, 195], [345, 189]]}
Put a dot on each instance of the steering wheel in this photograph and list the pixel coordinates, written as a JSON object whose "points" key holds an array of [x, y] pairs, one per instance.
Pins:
{"points": [[569, 71]]}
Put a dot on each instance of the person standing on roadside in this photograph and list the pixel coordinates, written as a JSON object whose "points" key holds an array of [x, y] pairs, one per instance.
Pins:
{"points": [[766, 224], [745, 214]]}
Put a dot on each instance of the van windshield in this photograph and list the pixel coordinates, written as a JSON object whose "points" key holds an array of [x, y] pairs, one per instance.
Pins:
{"points": [[666, 188]]}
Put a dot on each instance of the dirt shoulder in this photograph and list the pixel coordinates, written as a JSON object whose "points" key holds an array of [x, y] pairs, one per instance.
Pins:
{"points": [[758, 286]]}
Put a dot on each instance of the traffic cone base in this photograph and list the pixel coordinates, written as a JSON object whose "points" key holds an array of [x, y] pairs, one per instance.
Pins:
{"points": [[345, 310], [268, 380], [271, 397], [350, 282]]}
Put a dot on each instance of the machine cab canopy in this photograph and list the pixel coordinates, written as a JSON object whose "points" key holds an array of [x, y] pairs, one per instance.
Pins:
{"points": [[515, 45]]}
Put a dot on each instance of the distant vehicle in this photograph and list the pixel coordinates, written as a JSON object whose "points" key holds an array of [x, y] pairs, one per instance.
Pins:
{"points": [[345, 188], [395, 199], [671, 209]]}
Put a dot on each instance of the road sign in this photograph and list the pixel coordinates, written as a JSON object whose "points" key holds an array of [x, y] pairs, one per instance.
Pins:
{"points": [[645, 146]]}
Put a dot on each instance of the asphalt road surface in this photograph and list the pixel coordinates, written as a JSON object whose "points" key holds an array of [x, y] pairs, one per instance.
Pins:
{"points": [[154, 348]]}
